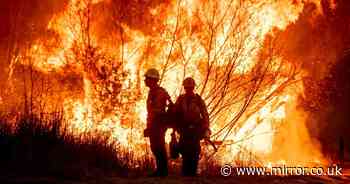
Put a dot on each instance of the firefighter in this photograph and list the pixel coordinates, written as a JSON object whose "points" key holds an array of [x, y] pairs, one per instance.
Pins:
{"points": [[193, 125], [157, 101]]}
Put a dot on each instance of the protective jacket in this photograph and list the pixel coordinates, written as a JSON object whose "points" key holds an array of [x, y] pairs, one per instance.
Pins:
{"points": [[157, 101], [192, 114]]}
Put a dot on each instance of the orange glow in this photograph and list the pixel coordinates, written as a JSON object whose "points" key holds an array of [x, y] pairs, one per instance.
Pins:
{"points": [[193, 34]]}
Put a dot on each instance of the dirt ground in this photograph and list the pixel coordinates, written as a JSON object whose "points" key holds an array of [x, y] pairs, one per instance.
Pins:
{"points": [[197, 180], [175, 179]]}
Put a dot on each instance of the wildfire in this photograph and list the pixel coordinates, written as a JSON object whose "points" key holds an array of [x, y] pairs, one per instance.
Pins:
{"points": [[198, 38]]}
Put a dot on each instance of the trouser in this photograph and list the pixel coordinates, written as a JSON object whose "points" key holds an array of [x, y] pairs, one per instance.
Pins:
{"points": [[190, 149], [157, 141]]}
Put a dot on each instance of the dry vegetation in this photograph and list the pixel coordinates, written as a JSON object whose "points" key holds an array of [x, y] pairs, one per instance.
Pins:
{"points": [[33, 146]]}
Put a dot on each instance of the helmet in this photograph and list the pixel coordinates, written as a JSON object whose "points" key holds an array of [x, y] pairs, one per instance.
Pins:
{"points": [[152, 73], [189, 82]]}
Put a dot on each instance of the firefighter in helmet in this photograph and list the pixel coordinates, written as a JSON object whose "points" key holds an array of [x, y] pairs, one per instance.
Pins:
{"points": [[193, 125], [157, 101]]}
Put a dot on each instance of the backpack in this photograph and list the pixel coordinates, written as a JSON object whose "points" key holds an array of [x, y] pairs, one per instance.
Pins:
{"points": [[192, 109], [190, 117]]}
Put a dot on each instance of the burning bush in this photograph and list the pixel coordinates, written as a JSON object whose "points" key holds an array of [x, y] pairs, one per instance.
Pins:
{"points": [[87, 57]]}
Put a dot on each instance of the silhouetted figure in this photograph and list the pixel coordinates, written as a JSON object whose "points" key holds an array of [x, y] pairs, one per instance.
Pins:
{"points": [[157, 101], [193, 125]]}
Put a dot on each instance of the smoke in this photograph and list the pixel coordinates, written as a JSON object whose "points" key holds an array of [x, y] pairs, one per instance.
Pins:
{"points": [[22, 23], [316, 40], [112, 20], [25, 23], [316, 43], [27, 20]]}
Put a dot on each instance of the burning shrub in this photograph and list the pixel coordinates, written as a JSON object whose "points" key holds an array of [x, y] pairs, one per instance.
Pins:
{"points": [[89, 57]]}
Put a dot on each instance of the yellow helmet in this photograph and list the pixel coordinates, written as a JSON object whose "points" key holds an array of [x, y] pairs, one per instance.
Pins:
{"points": [[189, 82], [152, 73]]}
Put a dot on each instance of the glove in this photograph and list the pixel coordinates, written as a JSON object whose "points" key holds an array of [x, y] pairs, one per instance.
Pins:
{"points": [[146, 132]]}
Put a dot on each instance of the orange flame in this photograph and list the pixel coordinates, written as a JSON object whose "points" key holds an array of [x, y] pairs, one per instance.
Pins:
{"points": [[184, 29]]}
